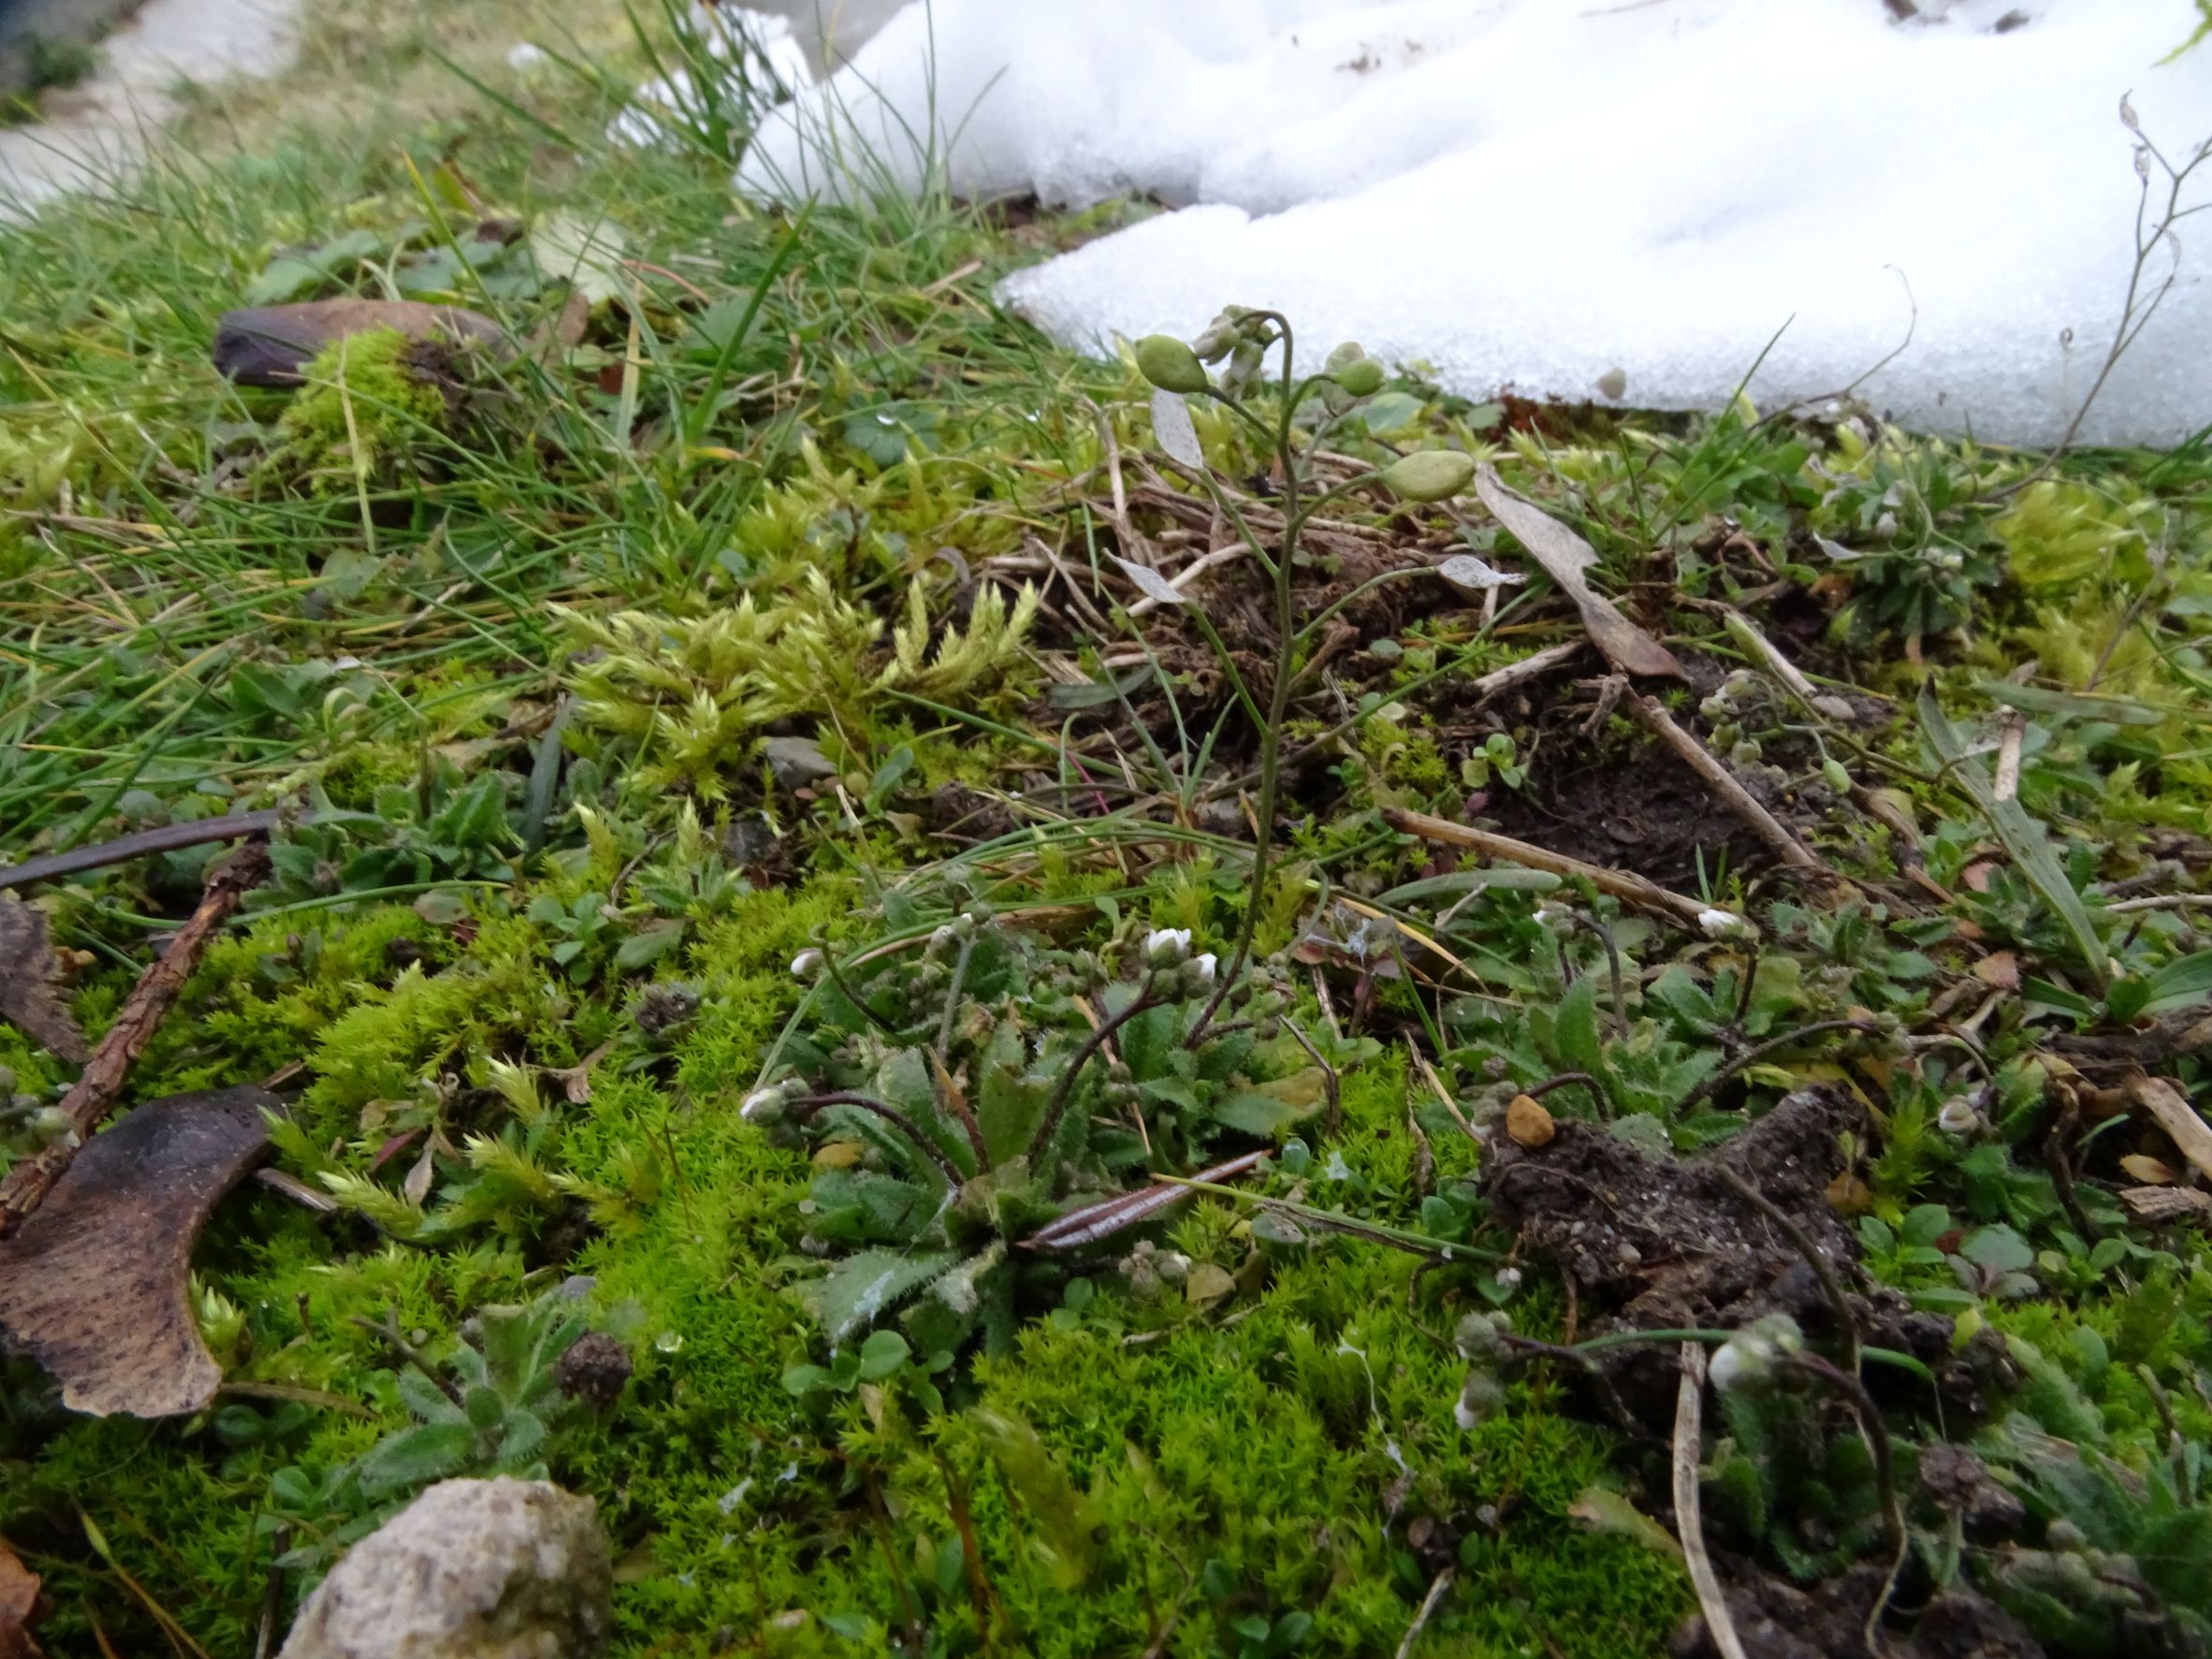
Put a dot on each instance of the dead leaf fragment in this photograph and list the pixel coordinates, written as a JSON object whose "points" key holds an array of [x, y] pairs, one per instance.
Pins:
{"points": [[2164, 1203], [1566, 557], [2149, 1169], [2181, 1121], [93, 1285], [28, 977], [271, 344], [1528, 1122], [18, 1606], [1999, 970]]}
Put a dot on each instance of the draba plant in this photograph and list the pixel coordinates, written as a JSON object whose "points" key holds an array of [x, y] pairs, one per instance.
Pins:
{"points": [[1287, 426], [983, 1108]]}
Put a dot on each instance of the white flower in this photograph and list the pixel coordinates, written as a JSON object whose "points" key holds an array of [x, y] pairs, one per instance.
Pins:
{"points": [[1747, 1361], [807, 965], [1722, 924], [759, 1103], [1958, 1116], [525, 56], [1164, 946], [944, 938], [1735, 1363], [1206, 964]]}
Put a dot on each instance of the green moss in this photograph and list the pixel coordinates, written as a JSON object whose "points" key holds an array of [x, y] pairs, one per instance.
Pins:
{"points": [[366, 407]]}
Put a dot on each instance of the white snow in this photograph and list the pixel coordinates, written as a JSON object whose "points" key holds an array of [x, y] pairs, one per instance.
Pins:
{"points": [[1534, 193]]}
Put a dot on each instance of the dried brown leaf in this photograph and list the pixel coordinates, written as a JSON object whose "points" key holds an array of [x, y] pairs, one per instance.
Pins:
{"points": [[2184, 1125], [271, 344], [1999, 970], [2164, 1203], [28, 977], [1566, 557], [2149, 1169], [95, 1285], [18, 1606]]}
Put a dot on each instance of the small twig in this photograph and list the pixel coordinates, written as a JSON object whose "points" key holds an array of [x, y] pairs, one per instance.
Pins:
{"points": [[1622, 884], [272, 1595], [1725, 783], [1688, 1521], [1437, 1586], [100, 1084], [2161, 901], [2061, 1167], [1437, 1087], [167, 837], [1332, 1119]]}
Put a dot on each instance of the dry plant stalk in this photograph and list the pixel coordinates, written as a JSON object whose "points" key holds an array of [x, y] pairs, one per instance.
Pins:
{"points": [[1622, 884], [1725, 783], [1688, 1404], [100, 1085]]}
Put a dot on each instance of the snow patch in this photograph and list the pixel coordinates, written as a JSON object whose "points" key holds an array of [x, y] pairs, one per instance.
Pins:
{"points": [[1615, 201]]}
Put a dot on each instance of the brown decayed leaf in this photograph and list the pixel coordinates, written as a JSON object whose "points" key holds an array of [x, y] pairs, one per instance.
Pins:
{"points": [[271, 344], [2149, 1169], [28, 974], [1999, 970], [1566, 557], [2181, 1121], [95, 1285], [18, 1606], [2164, 1203]]}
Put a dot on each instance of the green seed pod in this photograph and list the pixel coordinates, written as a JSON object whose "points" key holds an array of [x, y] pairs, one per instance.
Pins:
{"points": [[1429, 475], [1839, 779], [1170, 365], [1362, 378]]}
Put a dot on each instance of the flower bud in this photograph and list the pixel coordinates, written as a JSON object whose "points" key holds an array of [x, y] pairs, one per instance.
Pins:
{"points": [[1170, 365], [1481, 1339], [1245, 367], [1429, 475], [1164, 947], [1221, 334], [1362, 378], [763, 1107], [807, 965], [1482, 1398], [1958, 1116], [1749, 1361]]}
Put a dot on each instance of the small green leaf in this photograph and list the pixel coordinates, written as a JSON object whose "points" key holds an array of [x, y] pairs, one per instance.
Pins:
{"points": [[415, 1457], [883, 1353], [2024, 837]]}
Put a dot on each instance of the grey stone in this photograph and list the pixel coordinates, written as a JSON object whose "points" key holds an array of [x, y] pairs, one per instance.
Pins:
{"points": [[472, 1570], [797, 762]]}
